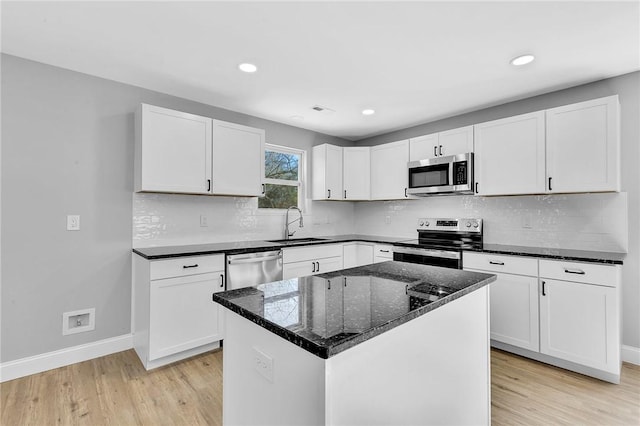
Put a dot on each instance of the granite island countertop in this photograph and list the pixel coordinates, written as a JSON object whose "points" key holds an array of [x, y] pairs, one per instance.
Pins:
{"points": [[237, 247], [329, 313]]}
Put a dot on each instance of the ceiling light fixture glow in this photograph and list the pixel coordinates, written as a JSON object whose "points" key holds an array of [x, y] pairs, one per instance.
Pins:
{"points": [[368, 112], [522, 60], [247, 67]]}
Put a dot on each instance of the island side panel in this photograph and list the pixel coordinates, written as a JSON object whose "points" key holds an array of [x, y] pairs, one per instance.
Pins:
{"points": [[295, 395], [434, 369]]}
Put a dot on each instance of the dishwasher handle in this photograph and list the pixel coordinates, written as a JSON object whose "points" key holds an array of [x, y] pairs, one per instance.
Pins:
{"points": [[240, 261]]}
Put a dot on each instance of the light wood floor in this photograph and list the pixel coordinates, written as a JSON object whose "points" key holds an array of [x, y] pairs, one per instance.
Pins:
{"points": [[116, 390]]}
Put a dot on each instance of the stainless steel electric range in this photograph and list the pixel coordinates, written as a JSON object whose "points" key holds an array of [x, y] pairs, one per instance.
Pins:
{"points": [[441, 242]]}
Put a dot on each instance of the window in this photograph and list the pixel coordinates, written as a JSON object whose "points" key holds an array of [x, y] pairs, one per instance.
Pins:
{"points": [[282, 177]]}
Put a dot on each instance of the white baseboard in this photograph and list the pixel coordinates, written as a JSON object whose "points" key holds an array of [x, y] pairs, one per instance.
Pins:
{"points": [[630, 354], [60, 358]]}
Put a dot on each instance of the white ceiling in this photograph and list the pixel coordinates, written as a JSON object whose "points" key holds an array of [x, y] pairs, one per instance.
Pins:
{"points": [[413, 62]]}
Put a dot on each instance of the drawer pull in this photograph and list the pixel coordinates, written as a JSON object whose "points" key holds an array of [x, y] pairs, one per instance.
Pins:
{"points": [[195, 265], [384, 251], [496, 263], [574, 271]]}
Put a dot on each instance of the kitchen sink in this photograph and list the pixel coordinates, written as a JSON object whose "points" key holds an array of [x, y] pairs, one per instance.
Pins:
{"points": [[296, 240]]}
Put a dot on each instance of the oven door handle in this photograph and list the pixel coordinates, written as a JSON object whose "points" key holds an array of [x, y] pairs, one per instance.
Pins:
{"points": [[444, 254]]}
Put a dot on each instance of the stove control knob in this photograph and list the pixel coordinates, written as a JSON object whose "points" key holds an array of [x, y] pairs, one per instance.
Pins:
{"points": [[468, 224], [475, 224], [422, 223], [426, 223]]}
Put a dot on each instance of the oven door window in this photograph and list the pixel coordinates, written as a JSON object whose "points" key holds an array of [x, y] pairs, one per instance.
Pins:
{"points": [[423, 177]]}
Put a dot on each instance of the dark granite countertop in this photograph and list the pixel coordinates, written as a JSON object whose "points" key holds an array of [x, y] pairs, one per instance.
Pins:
{"points": [[329, 313], [253, 246]]}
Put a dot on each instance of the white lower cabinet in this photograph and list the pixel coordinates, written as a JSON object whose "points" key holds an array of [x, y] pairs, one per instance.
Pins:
{"points": [[173, 314], [579, 320], [311, 260], [357, 254], [562, 313]]}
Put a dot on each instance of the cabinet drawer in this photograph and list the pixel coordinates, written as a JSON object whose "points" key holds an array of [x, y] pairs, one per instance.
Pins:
{"points": [[383, 250], [590, 273], [183, 266], [500, 263], [299, 254]]}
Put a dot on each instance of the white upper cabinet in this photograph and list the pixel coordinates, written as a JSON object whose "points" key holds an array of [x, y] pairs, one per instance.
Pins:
{"points": [[510, 155], [451, 142], [238, 159], [186, 153], [423, 147], [583, 146], [326, 170], [172, 151], [389, 173], [356, 173]]}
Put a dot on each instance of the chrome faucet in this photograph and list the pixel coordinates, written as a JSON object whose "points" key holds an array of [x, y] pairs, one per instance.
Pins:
{"points": [[288, 234]]}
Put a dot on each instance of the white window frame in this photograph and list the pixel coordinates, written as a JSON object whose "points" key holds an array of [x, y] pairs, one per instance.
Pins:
{"points": [[300, 183]]}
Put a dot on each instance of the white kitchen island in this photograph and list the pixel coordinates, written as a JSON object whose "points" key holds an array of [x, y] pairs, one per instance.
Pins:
{"points": [[386, 344]]}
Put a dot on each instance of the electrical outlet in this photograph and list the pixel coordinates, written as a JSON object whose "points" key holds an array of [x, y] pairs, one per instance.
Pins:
{"points": [[526, 221], [263, 364], [204, 220], [73, 222], [78, 321]]}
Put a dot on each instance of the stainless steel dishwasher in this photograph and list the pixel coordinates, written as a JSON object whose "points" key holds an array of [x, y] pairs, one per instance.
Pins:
{"points": [[248, 269]]}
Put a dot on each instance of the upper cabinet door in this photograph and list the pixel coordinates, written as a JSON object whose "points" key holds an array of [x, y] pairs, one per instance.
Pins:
{"points": [[357, 173], [583, 146], [326, 170], [389, 173], [423, 147], [172, 151], [238, 159], [456, 141], [510, 155]]}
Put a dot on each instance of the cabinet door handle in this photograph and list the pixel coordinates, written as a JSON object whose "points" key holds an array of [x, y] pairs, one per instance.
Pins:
{"points": [[476, 187], [544, 292], [549, 184], [329, 191], [496, 263], [441, 150], [435, 151], [574, 271], [264, 189], [345, 194], [314, 266], [345, 281], [318, 269], [221, 280], [328, 284], [208, 185], [195, 265], [405, 193]]}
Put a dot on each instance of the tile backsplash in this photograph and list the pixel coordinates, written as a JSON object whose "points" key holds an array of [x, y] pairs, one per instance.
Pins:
{"points": [[173, 219], [578, 221]]}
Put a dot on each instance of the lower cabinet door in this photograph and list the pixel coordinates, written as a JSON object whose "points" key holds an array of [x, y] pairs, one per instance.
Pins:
{"points": [[579, 323], [514, 310], [182, 314]]}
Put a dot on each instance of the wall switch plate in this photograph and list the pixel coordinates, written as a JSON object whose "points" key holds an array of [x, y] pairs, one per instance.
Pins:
{"points": [[78, 321], [204, 220], [73, 222], [263, 364]]}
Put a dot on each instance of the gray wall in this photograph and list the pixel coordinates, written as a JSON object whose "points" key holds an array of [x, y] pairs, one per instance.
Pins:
{"points": [[67, 148], [628, 88]]}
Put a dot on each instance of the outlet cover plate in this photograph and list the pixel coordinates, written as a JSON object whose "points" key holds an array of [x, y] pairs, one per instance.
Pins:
{"points": [[88, 321], [263, 364]]}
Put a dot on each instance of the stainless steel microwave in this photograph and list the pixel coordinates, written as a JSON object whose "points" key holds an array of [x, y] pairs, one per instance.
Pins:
{"points": [[452, 174]]}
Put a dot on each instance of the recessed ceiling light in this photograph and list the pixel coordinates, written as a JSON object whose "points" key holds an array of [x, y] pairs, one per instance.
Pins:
{"points": [[247, 67], [522, 60], [368, 111]]}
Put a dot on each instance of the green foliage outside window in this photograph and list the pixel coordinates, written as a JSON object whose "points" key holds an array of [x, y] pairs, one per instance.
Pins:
{"points": [[283, 167]]}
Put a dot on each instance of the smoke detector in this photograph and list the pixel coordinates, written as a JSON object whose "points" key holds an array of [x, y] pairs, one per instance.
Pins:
{"points": [[322, 109]]}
